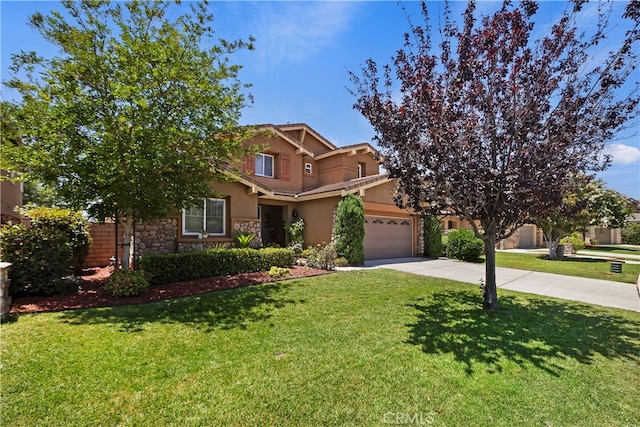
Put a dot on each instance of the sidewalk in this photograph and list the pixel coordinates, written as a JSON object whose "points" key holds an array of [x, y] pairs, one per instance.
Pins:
{"points": [[592, 291]]}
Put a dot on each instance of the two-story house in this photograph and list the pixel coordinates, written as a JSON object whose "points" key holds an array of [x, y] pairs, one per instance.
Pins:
{"points": [[299, 174]]}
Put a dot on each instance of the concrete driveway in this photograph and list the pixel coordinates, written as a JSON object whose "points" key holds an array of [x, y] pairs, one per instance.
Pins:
{"points": [[592, 291]]}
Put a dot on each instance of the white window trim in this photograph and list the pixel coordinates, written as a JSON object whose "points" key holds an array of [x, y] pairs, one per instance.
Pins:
{"points": [[308, 168], [359, 170], [224, 219], [262, 172]]}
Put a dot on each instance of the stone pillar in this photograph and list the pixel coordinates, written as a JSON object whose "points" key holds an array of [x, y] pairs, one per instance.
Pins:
{"points": [[249, 226], [5, 298]]}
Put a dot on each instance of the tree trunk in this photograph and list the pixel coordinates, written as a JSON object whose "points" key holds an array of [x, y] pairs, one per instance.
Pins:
{"points": [[127, 238], [490, 295], [552, 244]]}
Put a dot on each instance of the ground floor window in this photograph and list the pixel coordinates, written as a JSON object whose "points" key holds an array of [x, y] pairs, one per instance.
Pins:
{"points": [[206, 218]]}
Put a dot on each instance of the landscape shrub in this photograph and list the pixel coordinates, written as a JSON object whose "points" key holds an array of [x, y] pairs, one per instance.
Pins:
{"points": [[576, 240], [41, 259], [432, 237], [464, 245], [294, 232], [322, 256], [278, 272], [349, 229], [631, 233], [341, 262], [71, 223], [445, 242], [126, 283], [243, 240], [168, 268]]}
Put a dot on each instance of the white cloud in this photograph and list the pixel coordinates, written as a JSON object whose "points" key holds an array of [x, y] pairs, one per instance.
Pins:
{"points": [[294, 31], [622, 154]]}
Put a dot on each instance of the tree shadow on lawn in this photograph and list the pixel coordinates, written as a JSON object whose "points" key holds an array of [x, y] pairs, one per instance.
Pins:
{"points": [[226, 309], [541, 332]]}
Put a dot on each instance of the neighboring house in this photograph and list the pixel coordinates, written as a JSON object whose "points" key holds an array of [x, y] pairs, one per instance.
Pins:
{"points": [[10, 198], [526, 237], [613, 236], [299, 174]]}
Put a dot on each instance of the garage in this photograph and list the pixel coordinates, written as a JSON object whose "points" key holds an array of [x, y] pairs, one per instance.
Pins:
{"points": [[387, 237], [527, 237]]}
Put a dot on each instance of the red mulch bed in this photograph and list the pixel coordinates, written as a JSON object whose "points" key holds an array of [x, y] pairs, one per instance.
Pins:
{"points": [[91, 293]]}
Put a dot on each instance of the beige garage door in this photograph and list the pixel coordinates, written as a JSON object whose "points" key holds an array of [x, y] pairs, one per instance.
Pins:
{"points": [[387, 237], [527, 237]]}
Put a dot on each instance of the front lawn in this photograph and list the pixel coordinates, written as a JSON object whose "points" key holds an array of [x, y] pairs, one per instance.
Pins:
{"points": [[592, 268], [359, 348], [615, 249]]}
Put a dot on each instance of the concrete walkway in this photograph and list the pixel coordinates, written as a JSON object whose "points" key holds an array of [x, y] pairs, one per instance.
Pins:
{"points": [[592, 291]]}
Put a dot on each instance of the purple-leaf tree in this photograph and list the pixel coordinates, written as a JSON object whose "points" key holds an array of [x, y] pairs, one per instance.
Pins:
{"points": [[491, 124]]}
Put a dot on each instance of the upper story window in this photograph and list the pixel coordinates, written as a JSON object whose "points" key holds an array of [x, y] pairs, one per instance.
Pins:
{"points": [[308, 168], [264, 165], [208, 217], [362, 170]]}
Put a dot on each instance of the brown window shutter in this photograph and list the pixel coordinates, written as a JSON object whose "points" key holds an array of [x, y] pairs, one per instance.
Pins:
{"points": [[249, 164], [285, 167]]}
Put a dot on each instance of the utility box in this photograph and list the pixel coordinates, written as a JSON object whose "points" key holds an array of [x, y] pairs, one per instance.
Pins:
{"points": [[616, 266]]}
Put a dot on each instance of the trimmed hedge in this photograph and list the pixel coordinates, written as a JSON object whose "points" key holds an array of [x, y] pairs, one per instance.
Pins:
{"points": [[169, 268], [40, 256], [464, 245]]}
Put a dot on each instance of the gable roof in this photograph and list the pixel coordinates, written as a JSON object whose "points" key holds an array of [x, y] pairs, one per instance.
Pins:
{"points": [[346, 187], [278, 131], [350, 150], [305, 128], [330, 190], [281, 131]]}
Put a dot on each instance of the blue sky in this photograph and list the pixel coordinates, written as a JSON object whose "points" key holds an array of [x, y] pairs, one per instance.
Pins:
{"points": [[304, 51]]}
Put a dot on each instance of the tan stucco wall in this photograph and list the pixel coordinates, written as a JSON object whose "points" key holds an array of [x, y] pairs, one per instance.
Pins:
{"points": [[276, 146], [313, 144], [330, 170], [309, 181], [456, 223], [382, 194], [318, 216], [343, 167], [242, 204]]}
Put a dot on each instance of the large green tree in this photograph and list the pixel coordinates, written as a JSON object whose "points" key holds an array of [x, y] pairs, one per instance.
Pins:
{"points": [[137, 113]]}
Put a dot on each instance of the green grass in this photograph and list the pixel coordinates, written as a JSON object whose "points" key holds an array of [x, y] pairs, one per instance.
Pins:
{"points": [[614, 250], [358, 349], [592, 268]]}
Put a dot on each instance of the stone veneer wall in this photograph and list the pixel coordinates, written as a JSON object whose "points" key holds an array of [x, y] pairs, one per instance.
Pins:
{"points": [[238, 225], [158, 236], [253, 226], [420, 249]]}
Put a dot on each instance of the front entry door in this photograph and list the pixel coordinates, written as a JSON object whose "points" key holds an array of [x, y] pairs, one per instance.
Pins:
{"points": [[272, 225]]}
